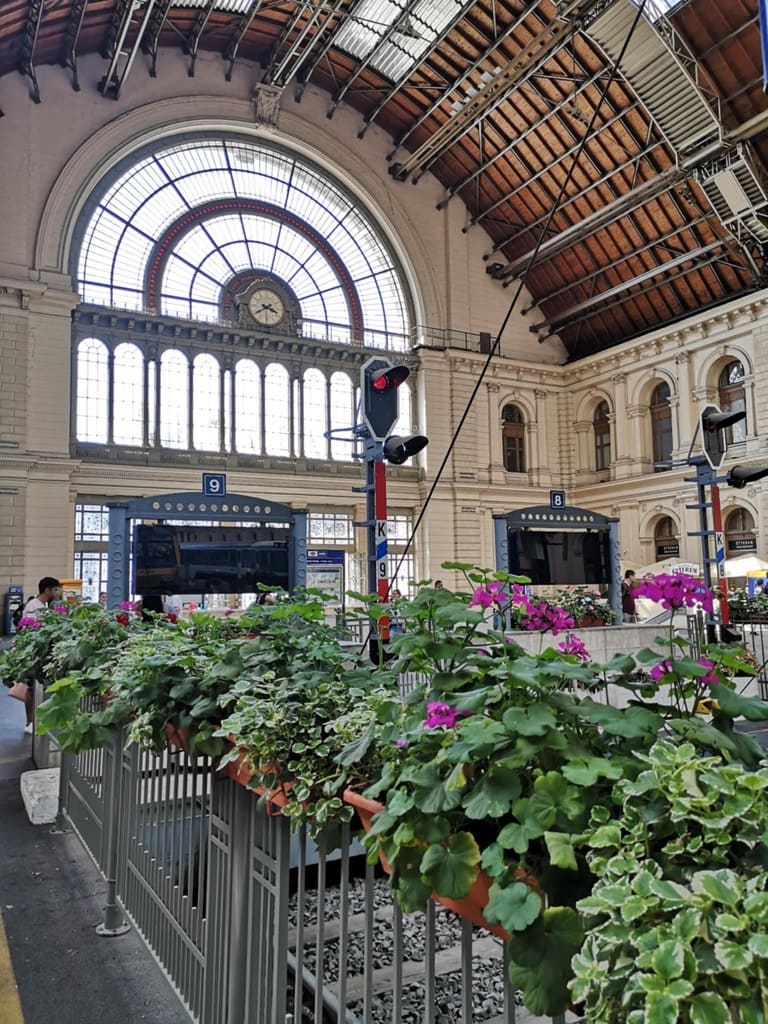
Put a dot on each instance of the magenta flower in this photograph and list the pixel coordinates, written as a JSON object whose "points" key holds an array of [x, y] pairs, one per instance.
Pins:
{"points": [[575, 646], [676, 592], [127, 606], [659, 671], [545, 618], [401, 743], [28, 622], [440, 714], [61, 609], [488, 594], [711, 676]]}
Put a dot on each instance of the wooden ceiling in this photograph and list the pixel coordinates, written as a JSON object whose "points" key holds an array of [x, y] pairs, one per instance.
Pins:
{"points": [[616, 161]]}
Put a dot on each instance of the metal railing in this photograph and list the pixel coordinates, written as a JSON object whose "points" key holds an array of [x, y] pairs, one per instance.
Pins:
{"points": [[254, 925]]}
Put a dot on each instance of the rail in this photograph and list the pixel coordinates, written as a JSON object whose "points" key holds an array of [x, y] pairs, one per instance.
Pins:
{"points": [[256, 925]]}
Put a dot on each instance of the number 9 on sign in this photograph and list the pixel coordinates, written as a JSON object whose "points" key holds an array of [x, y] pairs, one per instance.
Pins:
{"points": [[214, 484]]}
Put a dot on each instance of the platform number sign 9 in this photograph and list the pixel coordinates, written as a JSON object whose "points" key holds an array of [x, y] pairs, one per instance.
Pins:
{"points": [[557, 499], [214, 484]]}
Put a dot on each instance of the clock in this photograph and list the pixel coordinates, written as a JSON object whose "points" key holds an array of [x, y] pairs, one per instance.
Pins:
{"points": [[266, 307]]}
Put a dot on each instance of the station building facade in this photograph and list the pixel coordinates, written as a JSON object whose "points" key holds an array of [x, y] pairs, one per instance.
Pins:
{"points": [[184, 290]]}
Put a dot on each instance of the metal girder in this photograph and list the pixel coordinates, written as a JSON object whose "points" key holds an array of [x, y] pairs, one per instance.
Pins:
{"points": [[322, 50], [486, 55], [280, 71], [571, 152], [121, 59], [363, 64], [151, 41], [438, 41], [192, 41], [599, 297], [619, 298], [591, 278], [521, 136], [71, 36], [230, 54], [29, 41], [589, 225], [534, 55]]}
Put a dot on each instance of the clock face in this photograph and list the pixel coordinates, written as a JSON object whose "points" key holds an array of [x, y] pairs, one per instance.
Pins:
{"points": [[266, 307]]}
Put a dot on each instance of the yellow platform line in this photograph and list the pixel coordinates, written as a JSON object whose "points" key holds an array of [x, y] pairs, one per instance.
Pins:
{"points": [[10, 1007]]}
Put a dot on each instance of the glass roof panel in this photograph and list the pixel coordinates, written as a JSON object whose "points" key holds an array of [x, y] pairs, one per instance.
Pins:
{"points": [[413, 32], [135, 211]]}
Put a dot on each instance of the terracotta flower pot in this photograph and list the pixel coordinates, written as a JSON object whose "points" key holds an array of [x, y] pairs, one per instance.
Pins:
{"points": [[178, 738], [470, 906], [241, 771]]}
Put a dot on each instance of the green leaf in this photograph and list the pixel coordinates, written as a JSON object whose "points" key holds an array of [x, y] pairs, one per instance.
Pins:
{"points": [[540, 959], [660, 1008], [532, 721], [709, 1008], [560, 849], [720, 886], [732, 955], [667, 960], [586, 771], [452, 867], [554, 796], [514, 906], [758, 945], [737, 706], [494, 794]]}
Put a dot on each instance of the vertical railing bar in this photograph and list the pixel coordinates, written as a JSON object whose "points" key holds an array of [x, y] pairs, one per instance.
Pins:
{"points": [[510, 1006], [343, 916], [397, 964], [320, 925], [368, 944], [429, 963], [301, 895], [466, 971]]}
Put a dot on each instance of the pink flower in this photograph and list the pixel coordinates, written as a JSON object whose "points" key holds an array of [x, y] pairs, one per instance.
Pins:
{"points": [[127, 606], [61, 609], [440, 714], [575, 646], [488, 594], [676, 592], [28, 622], [401, 743], [545, 618], [659, 671], [711, 676]]}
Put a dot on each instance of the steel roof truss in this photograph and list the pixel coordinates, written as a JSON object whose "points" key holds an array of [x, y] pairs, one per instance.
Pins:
{"points": [[122, 57], [29, 41], [151, 41], [230, 54], [71, 37], [281, 72], [192, 41]]}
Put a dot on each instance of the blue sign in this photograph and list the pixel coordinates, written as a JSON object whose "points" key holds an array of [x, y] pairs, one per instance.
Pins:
{"points": [[557, 499], [215, 484]]}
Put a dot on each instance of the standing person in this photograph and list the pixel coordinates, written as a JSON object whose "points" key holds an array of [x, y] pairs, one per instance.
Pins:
{"points": [[47, 589], [628, 608], [396, 621]]}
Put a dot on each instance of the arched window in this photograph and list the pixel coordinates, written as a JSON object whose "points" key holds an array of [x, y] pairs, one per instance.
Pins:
{"points": [[247, 408], [92, 391], [277, 410], [174, 399], [342, 415], [128, 415], [206, 403], [315, 414], [740, 533], [733, 398], [602, 428], [666, 541], [661, 426], [513, 439]]}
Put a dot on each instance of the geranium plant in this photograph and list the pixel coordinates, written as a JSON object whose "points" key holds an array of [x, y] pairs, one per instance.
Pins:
{"points": [[582, 603], [502, 758]]}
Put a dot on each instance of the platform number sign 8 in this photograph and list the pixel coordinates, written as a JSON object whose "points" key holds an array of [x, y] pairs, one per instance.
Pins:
{"points": [[557, 499], [214, 484]]}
